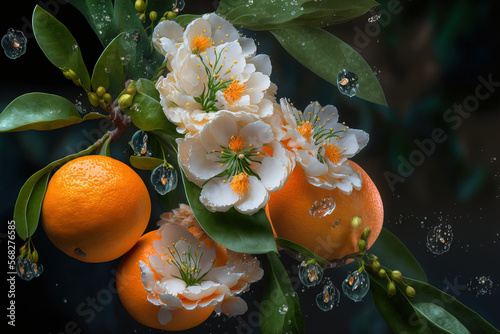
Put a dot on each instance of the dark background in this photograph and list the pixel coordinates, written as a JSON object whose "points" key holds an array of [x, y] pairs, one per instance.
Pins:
{"points": [[428, 57]]}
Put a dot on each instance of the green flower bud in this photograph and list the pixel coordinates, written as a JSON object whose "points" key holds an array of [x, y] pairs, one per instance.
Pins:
{"points": [[396, 275], [131, 88], [140, 5], [94, 100], [22, 249], [391, 288], [107, 98], [72, 75], [100, 91], [66, 74], [125, 101], [34, 256], [376, 266], [356, 221], [366, 233], [142, 17], [382, 273], [171, 15], [410, 291], [153, 15], [23, 253], [361, 245], [77, 82]]}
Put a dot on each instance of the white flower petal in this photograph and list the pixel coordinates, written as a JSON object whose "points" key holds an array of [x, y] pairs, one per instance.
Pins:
{"points": [[147, 276], [257, 133], [256, 198], [234, 306], [171, 300], [218, 196], [164, 316]]}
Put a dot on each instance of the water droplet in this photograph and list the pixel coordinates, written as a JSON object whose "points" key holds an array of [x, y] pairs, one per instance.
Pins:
{"points": [[303, 44], [439, 239], [329, 298], [140, 143], [107, 18], [27, 269], [347, 83], [14, 43], [283, 309], [178, 6], [374, 14], [74, 47], [65, 300], [164, 179], [322, 207], [107, 69], [481, 285], [356, 285], [422, 224], [293, 13], [310, 273]]}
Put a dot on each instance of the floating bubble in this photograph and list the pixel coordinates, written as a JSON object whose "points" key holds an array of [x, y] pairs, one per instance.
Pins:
{"points": [[27, 269], [14, 43], [310, 273], [322, 207], [439, 239], [347, 83], [374, 14], [164, 179], [178, 6], [481, 285], [283, 309], [140, 143], [329, 298], [356, 285]]}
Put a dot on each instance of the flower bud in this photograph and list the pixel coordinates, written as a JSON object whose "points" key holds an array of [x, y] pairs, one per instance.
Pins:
{"points": [[125, 101], [94, 100], [72, 74], [356, 221], [131, 88], [34, 256], [376, 266], [140, 5], [410, 291], [23, 253], [361, 245], [171, 15], [100, 91], [77, 82], [22, 249], [396, 275], [382, 273], [66, 74], [142, 17], [391, 288], [366, 233], [107, 98], [153, 15]]}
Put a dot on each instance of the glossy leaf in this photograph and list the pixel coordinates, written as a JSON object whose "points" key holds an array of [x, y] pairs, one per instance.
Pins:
{"points": [[296, 248], [278, 292], [307, 45], [185, 19], [148, 87], [394, 254], [58, 45], [430, 311], [146, 163], [125, 16], [41, 111], [266, 15], [99, 15], [233, 230]]}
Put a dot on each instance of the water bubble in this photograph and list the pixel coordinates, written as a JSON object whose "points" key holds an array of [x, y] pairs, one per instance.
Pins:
{"points": [[74, 47], [164, 179], [107, 18], [140, 143], [178, 6], [322, 207], [329, 298], [14, 43], [283, 309], [65, 300], [107, 69], [374, 14], [310, 273], [356, 285], [27, 269], [347, 83], [482, 285], [439, 239]]}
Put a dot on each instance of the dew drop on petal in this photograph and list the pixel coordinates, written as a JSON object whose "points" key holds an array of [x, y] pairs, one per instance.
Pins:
{"points": [[439, 239], [164, 179], [14, 43], [310, 274], [356, 285], [322, 207], [374, 14], [329, 298], [283, 309], [347, 83]]}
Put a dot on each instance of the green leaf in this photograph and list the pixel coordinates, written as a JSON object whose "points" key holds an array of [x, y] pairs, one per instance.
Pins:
{"points": [[185, 19], [125, 16], [266, 15], [29, 203], [99, 15], [148, 87], [41, 111], [146, 163], [278, 291], [307, 45], [393, 254], [233, 230], [306, 253], [58, 45], [430, 311]]}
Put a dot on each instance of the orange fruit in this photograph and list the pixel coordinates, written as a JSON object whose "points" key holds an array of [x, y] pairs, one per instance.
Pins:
{"points": [[95, 208], [134, 297], [332, 236]]}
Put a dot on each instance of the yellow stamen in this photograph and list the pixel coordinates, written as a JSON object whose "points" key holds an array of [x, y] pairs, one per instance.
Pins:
{"points": [[200, 43], [305, 130], [333, 153], [237, 143], [240, 184], [234, 92]]}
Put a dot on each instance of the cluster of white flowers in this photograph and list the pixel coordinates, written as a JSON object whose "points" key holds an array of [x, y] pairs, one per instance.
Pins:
{"points": [[240, 145]]}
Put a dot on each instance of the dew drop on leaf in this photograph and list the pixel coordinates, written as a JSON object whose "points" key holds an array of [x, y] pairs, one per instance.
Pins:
{"points": [[283, 309], [347, 83], [374, 14], [14, 43]]}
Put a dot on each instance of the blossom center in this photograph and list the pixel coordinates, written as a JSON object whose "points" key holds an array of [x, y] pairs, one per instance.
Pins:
{"points": [[237, 143], [333, 152], [305, 130], [200, 43], [240, 184], [234, 92]]}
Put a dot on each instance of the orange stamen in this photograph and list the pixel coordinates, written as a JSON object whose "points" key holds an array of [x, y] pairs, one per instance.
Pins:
{"points": [[237, 143], [234, 92], [240, 184], [200, 43], [333, 153], [305, 130]]}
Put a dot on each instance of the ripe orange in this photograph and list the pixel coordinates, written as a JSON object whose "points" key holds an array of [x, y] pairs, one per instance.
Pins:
{"points": [[134, 297], [95, 208], [331, 237]]}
